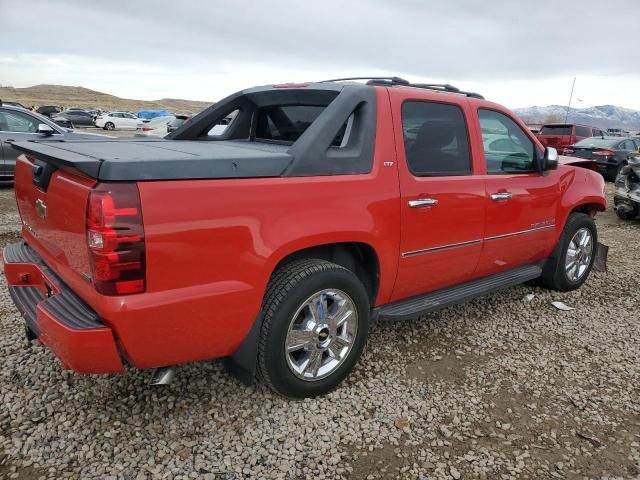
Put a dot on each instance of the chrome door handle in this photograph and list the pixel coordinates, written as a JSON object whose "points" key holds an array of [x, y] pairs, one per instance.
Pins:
{"points": [[423, 202], [496, 197]]}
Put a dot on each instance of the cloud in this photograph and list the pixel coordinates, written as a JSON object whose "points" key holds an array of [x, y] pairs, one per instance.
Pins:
{"points": [[149, 47]]}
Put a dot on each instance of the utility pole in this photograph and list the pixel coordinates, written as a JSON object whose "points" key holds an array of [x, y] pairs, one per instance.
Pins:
{"points": [[570, 98]]}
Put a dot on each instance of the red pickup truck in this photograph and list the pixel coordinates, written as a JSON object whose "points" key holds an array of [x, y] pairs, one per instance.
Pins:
{"points": [[279, 224], [562, 135]]}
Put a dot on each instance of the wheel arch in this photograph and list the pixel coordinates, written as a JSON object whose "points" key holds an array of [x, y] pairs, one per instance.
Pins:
{"points": [[582, 191], [590, 208], [359, 257]]}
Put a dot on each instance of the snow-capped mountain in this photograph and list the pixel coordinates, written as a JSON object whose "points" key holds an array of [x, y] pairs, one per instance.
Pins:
{"points": [[601, 116]]}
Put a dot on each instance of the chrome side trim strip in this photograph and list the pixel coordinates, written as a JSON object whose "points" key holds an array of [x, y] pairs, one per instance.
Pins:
{"points": [[441, 247], [474, 242], [522, 232]]}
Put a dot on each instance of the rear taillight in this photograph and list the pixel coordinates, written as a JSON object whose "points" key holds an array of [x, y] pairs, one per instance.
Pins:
{"points": [[146, 129], [604, 153], [115, 236]]}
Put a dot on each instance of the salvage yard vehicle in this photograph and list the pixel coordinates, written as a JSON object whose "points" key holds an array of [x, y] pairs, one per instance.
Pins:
{"points": [[76, 117], [627, 197], [178, 121], [611, 154], [18, 124], [117, 121], [156, 127], [277, 239], [562, 135], [48, 110]]}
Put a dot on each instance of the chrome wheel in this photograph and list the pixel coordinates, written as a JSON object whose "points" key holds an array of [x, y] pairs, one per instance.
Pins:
{"points": [[321, 334], [579, 254]]}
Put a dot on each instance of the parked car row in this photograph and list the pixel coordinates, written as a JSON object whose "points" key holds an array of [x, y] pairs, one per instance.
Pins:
{"points": [[146, 122], [18, 124], [610, 149]]}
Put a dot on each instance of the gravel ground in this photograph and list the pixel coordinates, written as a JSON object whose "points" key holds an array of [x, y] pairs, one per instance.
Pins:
{"points": [[501, 387]]}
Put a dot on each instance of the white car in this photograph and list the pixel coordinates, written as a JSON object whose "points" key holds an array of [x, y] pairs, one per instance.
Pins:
{"points": [[117, 121], [156, 127]]}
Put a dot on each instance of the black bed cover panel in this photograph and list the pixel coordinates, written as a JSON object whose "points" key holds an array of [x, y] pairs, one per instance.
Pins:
{"points": [[134, 160]]}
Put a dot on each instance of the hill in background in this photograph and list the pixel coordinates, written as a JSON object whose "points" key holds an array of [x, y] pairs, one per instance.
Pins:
{"points": [[66, 96], [601, 116]]}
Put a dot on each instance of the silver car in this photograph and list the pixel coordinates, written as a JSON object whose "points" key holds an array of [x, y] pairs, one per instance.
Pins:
{"points": [[17, 125]]}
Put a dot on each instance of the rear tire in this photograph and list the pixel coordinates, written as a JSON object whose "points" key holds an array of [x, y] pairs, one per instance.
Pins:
{"points": [[571, 262], [316, 321]]}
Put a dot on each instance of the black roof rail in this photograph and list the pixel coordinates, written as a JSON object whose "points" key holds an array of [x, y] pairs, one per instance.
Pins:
{"points": [[390, 81], [394, 80]]}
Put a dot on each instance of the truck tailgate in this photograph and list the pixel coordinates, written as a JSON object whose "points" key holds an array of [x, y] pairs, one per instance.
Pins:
{"points": [[54, 219]]}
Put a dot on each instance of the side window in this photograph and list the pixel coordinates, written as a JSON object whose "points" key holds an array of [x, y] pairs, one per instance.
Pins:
{"points": [[435, 139], [583, 131], [17, 122], [628, 145], [507, 149]]}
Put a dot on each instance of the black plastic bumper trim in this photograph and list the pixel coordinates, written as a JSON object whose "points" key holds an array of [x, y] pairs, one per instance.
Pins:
{"points": [[66, 306]]}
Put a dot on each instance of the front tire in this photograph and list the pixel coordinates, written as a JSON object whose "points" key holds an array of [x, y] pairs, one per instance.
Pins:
{"points": [[571, 262], [316, 321], [109, 126]]}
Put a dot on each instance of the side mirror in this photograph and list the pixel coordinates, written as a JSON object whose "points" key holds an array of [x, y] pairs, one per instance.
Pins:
{"points": [[549, 159], [44, 129]]}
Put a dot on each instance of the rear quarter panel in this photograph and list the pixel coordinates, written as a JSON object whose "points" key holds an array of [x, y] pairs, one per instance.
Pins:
{"points": [[212, 245]]}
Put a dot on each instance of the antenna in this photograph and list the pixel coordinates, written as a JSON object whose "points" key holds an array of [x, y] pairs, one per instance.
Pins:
{"points": [[570, 98]]}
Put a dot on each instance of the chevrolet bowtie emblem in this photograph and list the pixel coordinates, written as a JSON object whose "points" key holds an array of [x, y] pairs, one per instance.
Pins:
{"points": [[41, 209]]}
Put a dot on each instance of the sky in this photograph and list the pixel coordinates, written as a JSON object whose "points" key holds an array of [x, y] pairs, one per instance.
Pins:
{"points": [[518, 53]]}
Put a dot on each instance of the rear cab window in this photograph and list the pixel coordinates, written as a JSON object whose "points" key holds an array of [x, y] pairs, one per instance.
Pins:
{"points": [[556, 130], [595, 142], [583, 131]]}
